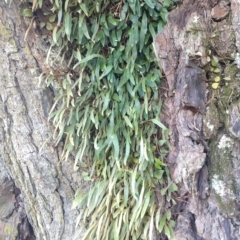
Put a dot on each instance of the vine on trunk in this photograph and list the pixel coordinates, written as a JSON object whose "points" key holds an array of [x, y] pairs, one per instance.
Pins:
{"points": [[107, 110]]}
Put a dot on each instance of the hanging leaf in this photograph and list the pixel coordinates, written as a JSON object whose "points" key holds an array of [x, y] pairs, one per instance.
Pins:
{"points": [[150, 3], [88, 58], [162, 223], [84, 8], [157, 122], [106, 71], [143, 31], [68, 24], [167, 231]]}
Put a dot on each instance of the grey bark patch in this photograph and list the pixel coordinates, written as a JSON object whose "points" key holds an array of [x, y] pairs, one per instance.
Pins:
{"points": [[186, 228], [192, 87], [236, 128], [233, 120], [211, 121], [235, 7], [47, 101], [180, 19], [227, 228], [7, 198]]}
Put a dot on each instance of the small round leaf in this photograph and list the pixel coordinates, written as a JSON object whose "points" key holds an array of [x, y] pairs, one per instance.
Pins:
{"points": [[215, 85]]}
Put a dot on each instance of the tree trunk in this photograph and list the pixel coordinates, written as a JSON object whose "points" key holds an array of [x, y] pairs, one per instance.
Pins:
{"points": [[198, 47], [29, 161]]}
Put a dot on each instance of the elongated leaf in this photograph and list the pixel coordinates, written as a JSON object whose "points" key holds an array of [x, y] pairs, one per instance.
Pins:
{"points": [[127, 120], [68, 24], [141, 194], [162, 223], [85, 28], [157, 122], [106, 101], [59, 17], [134, 215], [151, 228], [167, 231], [116, 146], [87, 234], [146, 203], [168, 214], [84, 8], [106, 71], [123, 80], [127, 152], [126, 190], [133, 184], [157, 217], [150, 3], [88, 58], [143, 31], [79, 196]]}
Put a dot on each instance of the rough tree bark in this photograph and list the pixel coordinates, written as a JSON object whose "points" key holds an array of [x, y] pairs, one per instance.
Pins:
{"points": [[37, 188], [204, 160]]}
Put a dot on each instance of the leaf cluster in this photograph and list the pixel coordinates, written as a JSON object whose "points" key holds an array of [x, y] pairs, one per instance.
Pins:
{"points": [[215, 71], [107, 109]]}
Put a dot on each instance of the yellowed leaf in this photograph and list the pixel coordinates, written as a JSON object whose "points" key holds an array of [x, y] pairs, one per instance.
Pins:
{"points": [[217, 79], [215, 85]]}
